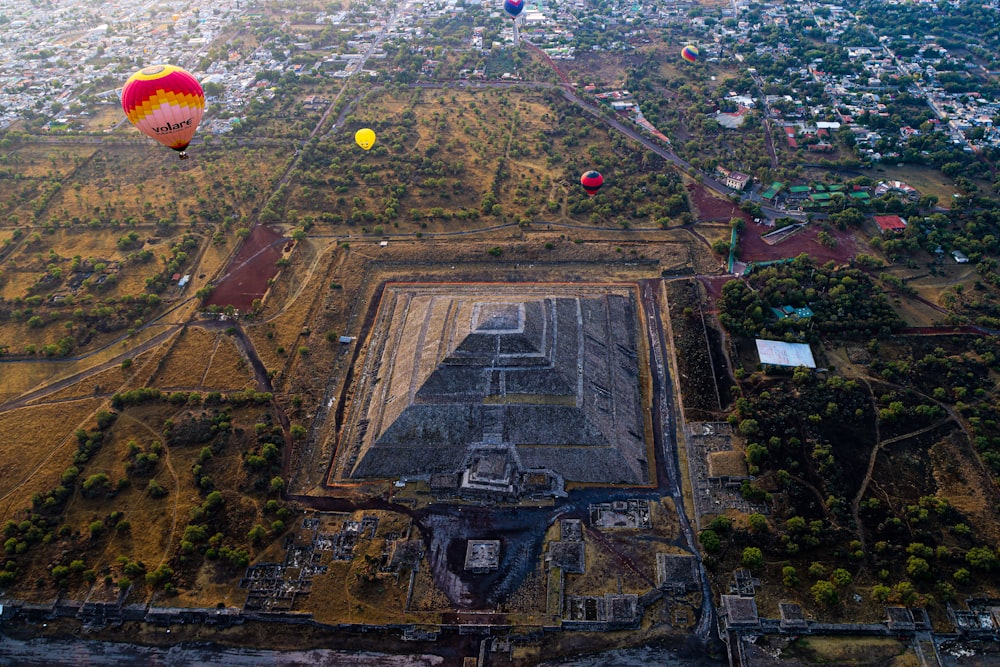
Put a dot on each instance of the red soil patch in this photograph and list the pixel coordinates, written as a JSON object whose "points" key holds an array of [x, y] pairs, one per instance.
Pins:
{"points": [[754, 249], [247, 274], [710, 208], [713, 286]]}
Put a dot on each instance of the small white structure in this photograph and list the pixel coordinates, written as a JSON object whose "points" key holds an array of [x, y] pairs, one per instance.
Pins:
{"points": [[778, 353], [960, 256]]}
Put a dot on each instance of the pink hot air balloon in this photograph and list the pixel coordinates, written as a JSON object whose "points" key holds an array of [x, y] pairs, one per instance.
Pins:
{"points": [[165, 103]]}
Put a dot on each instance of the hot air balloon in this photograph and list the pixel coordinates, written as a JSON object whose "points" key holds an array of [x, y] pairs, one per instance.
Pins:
{"points": [[513, 7], [365, 138], [592, 182], [690, 53], [165, 103]]}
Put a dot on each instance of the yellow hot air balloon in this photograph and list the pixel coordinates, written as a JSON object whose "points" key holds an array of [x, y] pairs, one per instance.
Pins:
{"points": [[365, 138]]}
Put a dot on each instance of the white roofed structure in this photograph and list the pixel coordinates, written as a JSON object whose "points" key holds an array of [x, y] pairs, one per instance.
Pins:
{"points": [[777, 353]]}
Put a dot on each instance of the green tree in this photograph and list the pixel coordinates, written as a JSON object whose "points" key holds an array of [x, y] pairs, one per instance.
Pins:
{"points": [[825, 593], [881, 592], [256, 534], [981, 558], [841, 577], [96, 484], [917, 568], [753, 558], [710, 540]]}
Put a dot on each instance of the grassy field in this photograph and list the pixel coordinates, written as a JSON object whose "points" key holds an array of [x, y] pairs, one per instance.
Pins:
{"points": [[852, 651], [38, 447], [926, 180], [90, 228], [203, 360]]}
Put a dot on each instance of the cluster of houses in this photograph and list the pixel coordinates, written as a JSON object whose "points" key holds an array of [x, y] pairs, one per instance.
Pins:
{"points": [[53, 53], [966, 116], [41, 42]]}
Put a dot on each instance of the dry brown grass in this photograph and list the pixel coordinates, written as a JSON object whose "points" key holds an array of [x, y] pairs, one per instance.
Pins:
{"points": [[853, 651], [94, 244], [102, 118], [345, 594], [202, 359], [151, 518], [18, 378], [227, 370], [102, 382], [481, 130], [38, 445], [291, 310], [16, 284], [605, 573], [156, 523], [961, 480]]}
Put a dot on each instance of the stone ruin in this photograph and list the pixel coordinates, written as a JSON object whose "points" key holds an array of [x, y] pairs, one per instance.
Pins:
{"points": [[495, 388]]}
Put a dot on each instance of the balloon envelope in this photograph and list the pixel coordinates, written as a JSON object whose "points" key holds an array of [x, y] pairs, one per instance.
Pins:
{"points": [[365, 138], [592, 182], [513, 7], [165, 103], [690, 53]]}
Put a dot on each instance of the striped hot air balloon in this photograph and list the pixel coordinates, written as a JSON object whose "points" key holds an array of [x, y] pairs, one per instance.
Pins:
{"points": [[513, 7], [690, 53], [592, 182], [166, 103]]}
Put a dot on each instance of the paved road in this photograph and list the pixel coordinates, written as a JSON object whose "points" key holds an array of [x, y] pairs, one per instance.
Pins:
{"points": [[709, 182]]}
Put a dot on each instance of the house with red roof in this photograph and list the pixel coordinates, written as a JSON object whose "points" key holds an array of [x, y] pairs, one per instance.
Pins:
{"points": [[890, 224]]}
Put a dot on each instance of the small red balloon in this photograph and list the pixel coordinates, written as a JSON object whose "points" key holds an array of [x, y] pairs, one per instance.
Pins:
{"points": [[592, 182]]}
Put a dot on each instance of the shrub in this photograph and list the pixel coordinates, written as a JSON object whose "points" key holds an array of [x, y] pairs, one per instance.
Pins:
{"points": [[824, 593], [710, 540], [753, 558]]}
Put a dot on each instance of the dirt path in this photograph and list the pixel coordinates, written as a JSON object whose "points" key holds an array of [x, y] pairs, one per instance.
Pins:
{"points": [[819, 496], [36, 394], [211, 359], [105, 404], [879, 444]]}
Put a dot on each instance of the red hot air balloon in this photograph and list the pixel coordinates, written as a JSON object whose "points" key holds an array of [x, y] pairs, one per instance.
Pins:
{"points": [[513, 7], [592, 182], [165, 103]]}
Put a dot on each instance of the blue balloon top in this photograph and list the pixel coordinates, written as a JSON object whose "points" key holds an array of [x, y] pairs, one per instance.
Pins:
{"points": [[513, 7]]}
